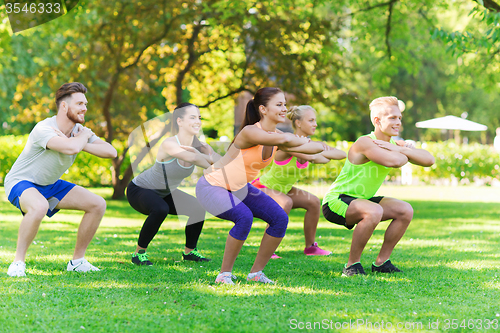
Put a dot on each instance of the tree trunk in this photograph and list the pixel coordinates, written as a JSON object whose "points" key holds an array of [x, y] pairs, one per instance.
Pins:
{"points": [[119, 189], [120, 184]]}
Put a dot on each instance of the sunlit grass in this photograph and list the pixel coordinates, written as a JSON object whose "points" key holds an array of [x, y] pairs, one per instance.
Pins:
{"points": [[450, 256]]}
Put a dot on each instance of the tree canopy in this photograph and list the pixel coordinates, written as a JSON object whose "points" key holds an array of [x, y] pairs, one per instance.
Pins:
{"points": [[140, 58]]}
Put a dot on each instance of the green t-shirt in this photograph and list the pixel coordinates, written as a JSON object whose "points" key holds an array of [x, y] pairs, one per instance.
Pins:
{"points": [[360, 181], [284, 174]]}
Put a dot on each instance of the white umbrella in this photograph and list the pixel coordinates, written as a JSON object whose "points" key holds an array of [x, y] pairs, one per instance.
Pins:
{"points": [[452, 123]]}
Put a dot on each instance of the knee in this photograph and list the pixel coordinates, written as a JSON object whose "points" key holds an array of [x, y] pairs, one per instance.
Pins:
{"points": [[160, 211], [373, 215], [245, 223], [314, 203], [98, 205], [279, 224], [38, 209], [406, 212], [242, 227]]}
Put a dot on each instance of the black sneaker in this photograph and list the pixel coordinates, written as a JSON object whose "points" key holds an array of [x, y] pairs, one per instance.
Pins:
{"points": [[194, 255], [141, 258], [354, 269], [386, 267]]}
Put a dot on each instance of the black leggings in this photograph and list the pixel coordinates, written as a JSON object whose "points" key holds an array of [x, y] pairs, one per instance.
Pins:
{"points": [[157, 208]]}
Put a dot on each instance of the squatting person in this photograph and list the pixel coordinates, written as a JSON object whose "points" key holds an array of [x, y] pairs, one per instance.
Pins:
{"points": [[33, 183], [350, 201]]}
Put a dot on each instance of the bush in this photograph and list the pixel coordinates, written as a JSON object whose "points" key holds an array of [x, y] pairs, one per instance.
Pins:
{"points": [[465, 163], [11, 147]]}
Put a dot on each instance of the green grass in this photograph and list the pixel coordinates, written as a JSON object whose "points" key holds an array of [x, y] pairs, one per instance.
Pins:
{"points": [[450, 257]]}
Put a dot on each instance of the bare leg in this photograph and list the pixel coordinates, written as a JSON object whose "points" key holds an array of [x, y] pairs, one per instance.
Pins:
{"points": [[35, 206], [366, 215], [268, 245], [233, 248], [282, 199], [94, 207], [401, 214], [312, 205], [138, 248]]}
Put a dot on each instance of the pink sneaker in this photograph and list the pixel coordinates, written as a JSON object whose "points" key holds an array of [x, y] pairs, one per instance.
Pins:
{"points": [[275, 256], [314, 250]]}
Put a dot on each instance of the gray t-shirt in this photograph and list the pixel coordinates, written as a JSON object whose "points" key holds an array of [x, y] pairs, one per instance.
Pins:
{"points": [[164, 177], [37, 163]]}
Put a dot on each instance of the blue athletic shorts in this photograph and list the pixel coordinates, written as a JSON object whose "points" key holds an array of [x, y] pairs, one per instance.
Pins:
{"points": [[53, 193]]}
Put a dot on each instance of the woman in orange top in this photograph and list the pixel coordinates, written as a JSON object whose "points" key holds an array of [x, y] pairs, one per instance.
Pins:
{"points": [[224, 190]]}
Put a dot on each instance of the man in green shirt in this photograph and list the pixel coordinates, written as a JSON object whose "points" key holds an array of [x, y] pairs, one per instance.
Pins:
{"points": [[350, 200]]}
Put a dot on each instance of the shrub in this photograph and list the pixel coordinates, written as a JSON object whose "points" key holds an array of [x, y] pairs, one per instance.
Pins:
{"points": [[465, 163]]}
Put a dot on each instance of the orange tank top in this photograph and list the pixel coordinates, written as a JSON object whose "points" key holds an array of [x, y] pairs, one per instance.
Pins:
{"points": [[238, 167]]}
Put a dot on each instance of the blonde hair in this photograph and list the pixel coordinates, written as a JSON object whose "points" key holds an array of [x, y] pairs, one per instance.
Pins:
{"points": [[378, 105], [297, 112]]}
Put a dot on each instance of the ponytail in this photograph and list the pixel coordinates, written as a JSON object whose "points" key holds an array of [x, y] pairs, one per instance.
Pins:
{"points": [[262, 97], [252, 115]]}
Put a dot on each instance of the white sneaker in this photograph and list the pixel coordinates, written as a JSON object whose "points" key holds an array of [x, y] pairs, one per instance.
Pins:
{"points": [[17, 268], [259, 277], [82, 266], [225, 278]]}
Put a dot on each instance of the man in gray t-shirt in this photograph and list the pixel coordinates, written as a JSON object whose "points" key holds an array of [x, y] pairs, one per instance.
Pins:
{"points": [[33, 183]]}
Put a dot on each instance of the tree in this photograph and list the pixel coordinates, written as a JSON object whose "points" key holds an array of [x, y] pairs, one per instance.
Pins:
{"points": [[138, 59]]}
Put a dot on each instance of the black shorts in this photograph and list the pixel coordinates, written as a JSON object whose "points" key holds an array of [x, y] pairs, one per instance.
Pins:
{"points": [[343, 201]]}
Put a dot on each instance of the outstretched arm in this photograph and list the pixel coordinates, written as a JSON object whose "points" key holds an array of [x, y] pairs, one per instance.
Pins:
{"points": [[186, 153], [311, 147], [251, 136], [313, 158], [380, 152], [415, 156], [101, 149], [323, 157], [332, 153], [418, 156], [69, 146], [211, 155]]}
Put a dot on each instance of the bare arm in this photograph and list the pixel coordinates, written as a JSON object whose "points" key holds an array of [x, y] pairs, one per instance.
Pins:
{"points": [[329, 153], [313, 158], [365, 149], [332, 153], [311, 147], [251, 136], [211, 154], [418, 156], [215, 156], [70, 146], [170, 148], [100, 148]]}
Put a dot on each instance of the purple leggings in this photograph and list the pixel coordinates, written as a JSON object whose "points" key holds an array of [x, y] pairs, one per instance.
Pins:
{"points": [[241, 207]]}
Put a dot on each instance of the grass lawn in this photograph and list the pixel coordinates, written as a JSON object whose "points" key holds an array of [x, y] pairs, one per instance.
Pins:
{"points": [[450, 256]]}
